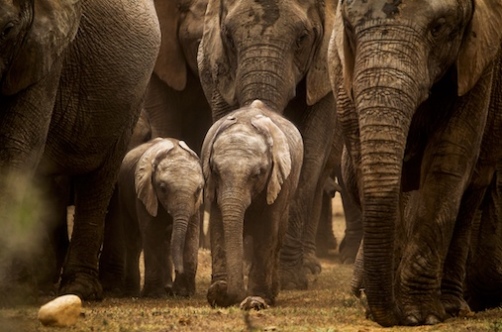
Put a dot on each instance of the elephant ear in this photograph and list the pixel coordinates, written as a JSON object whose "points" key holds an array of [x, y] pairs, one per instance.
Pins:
{"points": [[341, 52], [170, 65], [318, 83], [54, 26], [207, 150], [212, 60], [281, 157], [185, 147], [481, 44], [143, 175]]}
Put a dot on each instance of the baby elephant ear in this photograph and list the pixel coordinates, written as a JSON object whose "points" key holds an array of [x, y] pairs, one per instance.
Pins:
{"points": [[55, 24], [185, 147], [207, 150], [144, 172], [281, 157]]}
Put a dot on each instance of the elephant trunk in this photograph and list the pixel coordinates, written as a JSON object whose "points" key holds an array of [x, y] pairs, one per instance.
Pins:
{"points": [[262, 75], [388, 87], [178, 236], [232, 211]]}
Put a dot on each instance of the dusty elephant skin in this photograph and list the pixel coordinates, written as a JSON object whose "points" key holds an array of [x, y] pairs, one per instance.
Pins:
{"points": [[159, 194], [275, 51], [418, 89], [72, 79], [251, 161]]}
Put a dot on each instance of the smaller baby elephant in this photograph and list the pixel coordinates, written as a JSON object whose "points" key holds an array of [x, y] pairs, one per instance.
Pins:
{"points": [[159, 194], [251, 162]]}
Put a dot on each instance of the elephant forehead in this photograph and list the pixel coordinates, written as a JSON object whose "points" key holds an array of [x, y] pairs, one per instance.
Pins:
{"points": [[416, 10], [180, 166], [236, 138]]}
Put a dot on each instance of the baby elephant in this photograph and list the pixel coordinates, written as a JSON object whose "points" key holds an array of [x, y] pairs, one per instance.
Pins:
{"points": [[251, 164], [160, 191]]}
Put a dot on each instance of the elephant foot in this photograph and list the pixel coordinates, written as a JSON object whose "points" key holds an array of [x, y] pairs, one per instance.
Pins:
{"points": [[294, 277], [154, 291], [348, 249], [217, 295], [183, 286], [312, 264], [420, 311], [455, 306], [254, 302], [84, 285]]}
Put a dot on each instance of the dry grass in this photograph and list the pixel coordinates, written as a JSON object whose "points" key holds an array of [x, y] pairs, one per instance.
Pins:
{"points": [[326, 306]]}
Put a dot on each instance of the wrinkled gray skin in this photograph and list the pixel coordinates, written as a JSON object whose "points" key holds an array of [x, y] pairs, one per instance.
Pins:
{"points": [[418, 97], [111, 259], [68, 103], [175, 102], [159, 194], [276, 51], [251, 161], [483, 274]]}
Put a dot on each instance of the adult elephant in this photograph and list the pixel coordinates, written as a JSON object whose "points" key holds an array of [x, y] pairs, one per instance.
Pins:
{"points": [[175, 102], [418, 88], [276, 51], [72, 79]]}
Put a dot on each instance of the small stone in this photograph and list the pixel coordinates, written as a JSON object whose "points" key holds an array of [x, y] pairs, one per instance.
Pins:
{"points": [[62, 311]]}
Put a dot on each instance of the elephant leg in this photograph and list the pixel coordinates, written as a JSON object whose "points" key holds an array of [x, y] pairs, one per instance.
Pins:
{"points": [[155, 251], [93, 192], [264, 271], [483, 275], [24, 122], [353, 226], [184, 284], [217, 292], [298, 251], [452, 285], [112, 258], [325, 239]]}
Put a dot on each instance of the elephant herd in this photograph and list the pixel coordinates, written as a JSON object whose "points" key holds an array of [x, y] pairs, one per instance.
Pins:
{"points": [[143, 113]]}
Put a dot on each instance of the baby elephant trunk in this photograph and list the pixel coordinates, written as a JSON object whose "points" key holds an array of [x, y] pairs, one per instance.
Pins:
{"points": [[178, 236]]}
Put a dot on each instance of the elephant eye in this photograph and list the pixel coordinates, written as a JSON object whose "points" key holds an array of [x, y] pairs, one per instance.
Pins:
{"points": [[7, 29], [163, 187], [302, 38], [438, 27]]}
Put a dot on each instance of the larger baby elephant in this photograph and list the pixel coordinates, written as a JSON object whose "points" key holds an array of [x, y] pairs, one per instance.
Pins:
{"points": [[160, 192], [251, 161]]}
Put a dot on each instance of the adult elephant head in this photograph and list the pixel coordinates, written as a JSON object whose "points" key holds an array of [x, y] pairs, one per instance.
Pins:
{"points": [[262, 50], [408, 77], [275, 51]]}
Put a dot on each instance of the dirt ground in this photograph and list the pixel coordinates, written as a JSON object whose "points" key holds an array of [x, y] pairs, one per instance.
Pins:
{"points": [[327, 306]]}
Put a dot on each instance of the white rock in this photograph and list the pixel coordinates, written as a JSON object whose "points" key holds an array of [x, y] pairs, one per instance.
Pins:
{"points": [[62, 311]]}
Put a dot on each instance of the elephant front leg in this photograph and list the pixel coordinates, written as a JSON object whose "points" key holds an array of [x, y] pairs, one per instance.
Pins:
{"points": [[298, 254], [433, 221], [93, 192], [263, 282]]}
